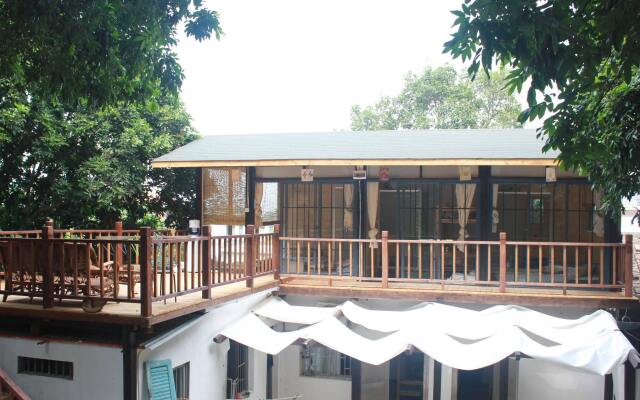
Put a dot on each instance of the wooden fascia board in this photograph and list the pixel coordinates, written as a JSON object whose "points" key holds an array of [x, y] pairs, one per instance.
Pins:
{"points": [[387, 162]]}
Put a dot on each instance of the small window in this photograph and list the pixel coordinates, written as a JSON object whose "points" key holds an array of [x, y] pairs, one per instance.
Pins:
{"points": [[318, 360], [43, 367], [181, 379]]}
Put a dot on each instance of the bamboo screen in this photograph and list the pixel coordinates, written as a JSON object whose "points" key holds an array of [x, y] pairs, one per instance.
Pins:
{"points": [[224, 194]]}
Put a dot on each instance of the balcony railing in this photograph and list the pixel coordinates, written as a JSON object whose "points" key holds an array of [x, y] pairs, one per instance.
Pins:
{"points": [[128, 266], [145, 267], [502, 264]]}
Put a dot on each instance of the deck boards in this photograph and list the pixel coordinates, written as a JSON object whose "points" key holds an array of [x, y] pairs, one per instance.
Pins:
{"points": [[453, 293], [129, 313]]}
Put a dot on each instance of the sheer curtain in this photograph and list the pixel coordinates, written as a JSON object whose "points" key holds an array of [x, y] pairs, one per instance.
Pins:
{"points": [[372, 210], [348, 208], [464, 200], [257, 203], [495, 215]]}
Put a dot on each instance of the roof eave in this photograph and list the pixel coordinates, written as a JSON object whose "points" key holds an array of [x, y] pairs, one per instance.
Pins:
{"points": [[355, 162]]}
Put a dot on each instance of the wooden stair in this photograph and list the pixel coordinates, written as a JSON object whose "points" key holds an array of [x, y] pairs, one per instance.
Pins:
{"points": [[9, 390]]}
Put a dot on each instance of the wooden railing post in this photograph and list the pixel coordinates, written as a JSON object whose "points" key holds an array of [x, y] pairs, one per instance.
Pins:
{"points": [[47, 267], [118, 259], [146, 242], [385, 259], [250, 255], [503, 262], [628, 265], [275, 252], [206, 261]]}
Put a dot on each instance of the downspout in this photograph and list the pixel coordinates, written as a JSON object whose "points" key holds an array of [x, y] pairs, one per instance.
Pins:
{"points": [[129, 364]]}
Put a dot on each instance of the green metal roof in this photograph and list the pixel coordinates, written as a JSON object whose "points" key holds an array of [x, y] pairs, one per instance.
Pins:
{"points": [[439, 144]]}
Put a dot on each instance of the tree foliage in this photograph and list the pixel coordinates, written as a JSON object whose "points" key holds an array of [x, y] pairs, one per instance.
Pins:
{"points": [[581, 59], [98, 52], [88, 168], [441, 98]]}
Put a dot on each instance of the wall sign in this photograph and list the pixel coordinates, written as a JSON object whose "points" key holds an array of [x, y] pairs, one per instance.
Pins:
{"points": [[306, 174], [550, 173], [359, 174], [465, 173], [384, 174]]}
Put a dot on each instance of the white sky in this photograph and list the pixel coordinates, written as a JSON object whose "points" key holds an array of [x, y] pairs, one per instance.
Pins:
{"points": [[299, 66]]}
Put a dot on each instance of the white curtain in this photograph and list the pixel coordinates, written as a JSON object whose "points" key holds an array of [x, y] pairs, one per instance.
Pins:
{"points": [[495, 216], [598, 217], [372, 210], [258, 205], [464, 199], [348, 207]]}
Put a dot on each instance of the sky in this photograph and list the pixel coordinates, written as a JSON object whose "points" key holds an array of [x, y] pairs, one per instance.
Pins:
{"points": [[299, 66]]}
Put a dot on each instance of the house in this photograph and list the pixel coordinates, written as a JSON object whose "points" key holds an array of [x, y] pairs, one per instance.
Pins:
{"points": [[349, 228]]}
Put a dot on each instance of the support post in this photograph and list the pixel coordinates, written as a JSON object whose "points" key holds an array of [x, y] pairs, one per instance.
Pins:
{"points": [[503, 262], [146, 241], [206, 261], [608, 387], [47, 270], [629, 381], [385, 259], [118, 260], [250, 255], [275, 252], [628, 265], [356, 379]]}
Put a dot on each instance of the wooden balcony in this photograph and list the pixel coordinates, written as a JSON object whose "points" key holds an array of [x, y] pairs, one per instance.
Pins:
{"points": [[142, 277], [138, 277], [491, 272]]}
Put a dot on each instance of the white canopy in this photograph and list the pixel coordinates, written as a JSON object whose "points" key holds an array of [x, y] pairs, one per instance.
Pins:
{"points": [[457, 337]]}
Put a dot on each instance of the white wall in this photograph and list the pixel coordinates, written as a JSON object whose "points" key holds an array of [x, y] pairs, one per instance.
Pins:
{"points": [[290, 383], [208, 360], [97, 369], [543, 380]]}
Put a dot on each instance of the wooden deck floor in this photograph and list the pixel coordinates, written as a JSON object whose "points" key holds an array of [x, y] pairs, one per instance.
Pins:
{"points": [[129, 313], [453, 293]]}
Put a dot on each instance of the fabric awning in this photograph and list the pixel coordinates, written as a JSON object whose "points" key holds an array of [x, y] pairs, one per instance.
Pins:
{"points": [[457, 337]]}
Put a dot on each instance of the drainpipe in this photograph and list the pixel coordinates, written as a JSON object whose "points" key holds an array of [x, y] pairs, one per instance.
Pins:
{"points": [[129, 364]]}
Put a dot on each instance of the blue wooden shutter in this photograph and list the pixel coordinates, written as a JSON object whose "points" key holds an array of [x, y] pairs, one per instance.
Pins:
{"points": [[160, 380]]}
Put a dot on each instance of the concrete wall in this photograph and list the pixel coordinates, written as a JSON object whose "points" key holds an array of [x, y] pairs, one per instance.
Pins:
{"points": [[208, 360], [97, 369], [289, 382]]}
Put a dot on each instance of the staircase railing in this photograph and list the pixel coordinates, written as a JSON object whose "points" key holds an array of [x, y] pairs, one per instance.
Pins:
{"points": [[9, 388]]}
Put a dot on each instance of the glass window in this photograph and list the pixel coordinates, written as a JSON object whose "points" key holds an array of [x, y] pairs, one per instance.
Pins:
{"points": [[547, 212], [181, 379], [318, 360]]}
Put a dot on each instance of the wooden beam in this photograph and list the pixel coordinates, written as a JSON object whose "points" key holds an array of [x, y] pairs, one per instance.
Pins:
{"points": [[458, 296], [544, 162]]}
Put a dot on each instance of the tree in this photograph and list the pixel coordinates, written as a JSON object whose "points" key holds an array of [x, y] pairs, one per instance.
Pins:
{"points": [[98, 52], [88, 168], [581, 59], [441, 98]]}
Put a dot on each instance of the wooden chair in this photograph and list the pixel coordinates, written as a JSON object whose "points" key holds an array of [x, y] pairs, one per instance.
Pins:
{"points": [[83, 275]]}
